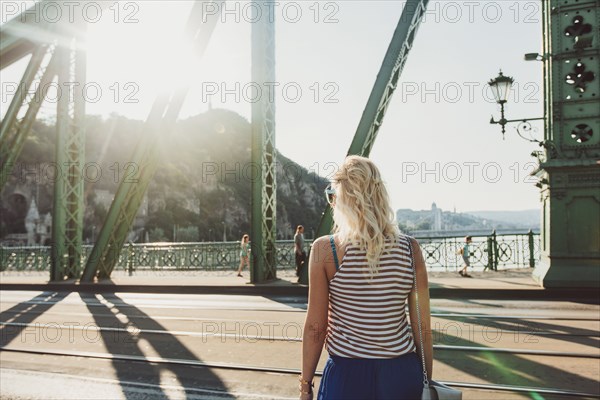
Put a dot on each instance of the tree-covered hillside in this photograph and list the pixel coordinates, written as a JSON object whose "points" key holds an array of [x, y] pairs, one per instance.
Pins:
{"points": [[202, 186]]}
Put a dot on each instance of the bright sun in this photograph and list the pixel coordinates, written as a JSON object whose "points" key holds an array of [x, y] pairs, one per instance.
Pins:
{"points": [[142, 46]]}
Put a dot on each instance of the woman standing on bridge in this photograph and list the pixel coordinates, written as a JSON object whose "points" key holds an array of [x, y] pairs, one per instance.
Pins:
{"points": [[360, 279], [244, 253]]}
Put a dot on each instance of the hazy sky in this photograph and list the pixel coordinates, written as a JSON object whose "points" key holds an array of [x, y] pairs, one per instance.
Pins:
{"points": [[436, 143]]}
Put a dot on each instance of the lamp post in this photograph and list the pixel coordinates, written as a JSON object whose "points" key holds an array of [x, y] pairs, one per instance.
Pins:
{"points": [[501, 89], [501, 86]]}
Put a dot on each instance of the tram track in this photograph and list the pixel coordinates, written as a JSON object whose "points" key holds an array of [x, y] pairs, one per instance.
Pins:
{"points": [[445, 331], [278, 370], [290, 310], [185, 318], [272, 338]]}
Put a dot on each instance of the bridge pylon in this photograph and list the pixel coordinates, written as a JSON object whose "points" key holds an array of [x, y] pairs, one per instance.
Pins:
{"points": [[569, 170]]}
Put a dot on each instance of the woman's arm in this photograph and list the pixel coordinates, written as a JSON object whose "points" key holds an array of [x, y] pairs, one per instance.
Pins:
{"points": [[423, 289], [315, 325]]}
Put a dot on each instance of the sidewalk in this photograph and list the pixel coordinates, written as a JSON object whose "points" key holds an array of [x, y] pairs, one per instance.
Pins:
{"points": [[506, 284]]}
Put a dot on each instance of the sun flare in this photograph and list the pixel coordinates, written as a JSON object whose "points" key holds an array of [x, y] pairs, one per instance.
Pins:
{"points": [[149, 50]]}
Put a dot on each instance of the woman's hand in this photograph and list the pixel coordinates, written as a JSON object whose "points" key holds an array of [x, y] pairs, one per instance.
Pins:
{"points": [[306, 390]]}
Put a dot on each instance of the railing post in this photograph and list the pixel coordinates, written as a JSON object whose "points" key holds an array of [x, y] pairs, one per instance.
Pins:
{"points": [[445, 249], [130, 259], [495, 250], [3, 258], [531, 250], [490, 254]]}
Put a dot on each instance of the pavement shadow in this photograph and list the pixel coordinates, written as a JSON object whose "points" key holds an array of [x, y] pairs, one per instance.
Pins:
{"points": [[532, 331], [510, 368], [24, 313], [128, 334], [478, 303]]}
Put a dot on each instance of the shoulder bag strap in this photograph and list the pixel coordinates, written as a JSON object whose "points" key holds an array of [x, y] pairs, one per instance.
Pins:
{"points": [[412, 264]]}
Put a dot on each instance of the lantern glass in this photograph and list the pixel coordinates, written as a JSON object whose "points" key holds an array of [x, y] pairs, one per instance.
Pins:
{"points": [[501, 87]]}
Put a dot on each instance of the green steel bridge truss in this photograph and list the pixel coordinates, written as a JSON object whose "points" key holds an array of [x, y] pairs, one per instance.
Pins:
{"points": [[383, 90], [54, 53]]}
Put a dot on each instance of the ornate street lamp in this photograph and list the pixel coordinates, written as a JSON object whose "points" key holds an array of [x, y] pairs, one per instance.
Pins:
{"points": [[501, 86]]}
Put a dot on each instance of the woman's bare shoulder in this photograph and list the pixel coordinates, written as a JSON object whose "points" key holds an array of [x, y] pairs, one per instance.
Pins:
{"points": [[321, 250], [322, 241]]}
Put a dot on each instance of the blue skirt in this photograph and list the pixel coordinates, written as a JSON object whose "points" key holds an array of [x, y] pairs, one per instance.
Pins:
{"points": [[372, 378]]}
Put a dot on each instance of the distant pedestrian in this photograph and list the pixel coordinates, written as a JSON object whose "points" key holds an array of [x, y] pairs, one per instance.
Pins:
{"points": [[299, 250], [244, 253], [465, 252]]}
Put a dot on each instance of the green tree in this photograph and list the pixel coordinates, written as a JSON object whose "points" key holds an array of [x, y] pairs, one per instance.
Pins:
{"points": [[157, 235]]}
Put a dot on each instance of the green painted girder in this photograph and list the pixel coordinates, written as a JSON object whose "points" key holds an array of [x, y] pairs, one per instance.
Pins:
{"points": [[264, 187], [68, 207], [14, 131], [18, 37], [13, 49], [383, 89], [19, 99], [124, 206], [160, 122], [23, 34]]}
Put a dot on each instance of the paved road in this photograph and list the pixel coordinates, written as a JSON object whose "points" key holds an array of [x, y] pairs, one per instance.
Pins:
{"points": [[141, 345]]}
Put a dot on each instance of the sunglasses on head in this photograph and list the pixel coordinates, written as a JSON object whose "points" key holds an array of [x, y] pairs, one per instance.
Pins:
{"points": [[329, 193]]}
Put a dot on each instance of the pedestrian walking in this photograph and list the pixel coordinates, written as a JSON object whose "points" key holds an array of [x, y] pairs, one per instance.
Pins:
{"points": [[465, 252], [244, 253], [299, 251], [360, 280]]}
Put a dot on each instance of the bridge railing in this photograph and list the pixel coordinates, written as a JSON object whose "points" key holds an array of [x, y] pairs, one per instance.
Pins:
{"points": [[486, 251], [440, 253], [208, 256]]}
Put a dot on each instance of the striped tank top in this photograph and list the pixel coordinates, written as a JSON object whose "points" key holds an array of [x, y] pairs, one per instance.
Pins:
{"points": [[367, 317]]}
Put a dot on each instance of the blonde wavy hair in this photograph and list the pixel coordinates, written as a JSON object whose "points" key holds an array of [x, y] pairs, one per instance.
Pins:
{"points": [[362, 213]]}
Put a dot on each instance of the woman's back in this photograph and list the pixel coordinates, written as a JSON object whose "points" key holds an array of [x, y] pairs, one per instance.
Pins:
{"points": [[359, 309], [367, 316]]}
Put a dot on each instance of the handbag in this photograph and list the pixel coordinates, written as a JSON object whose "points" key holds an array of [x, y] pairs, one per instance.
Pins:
{"points": [[432, 390], [438, 391]]}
